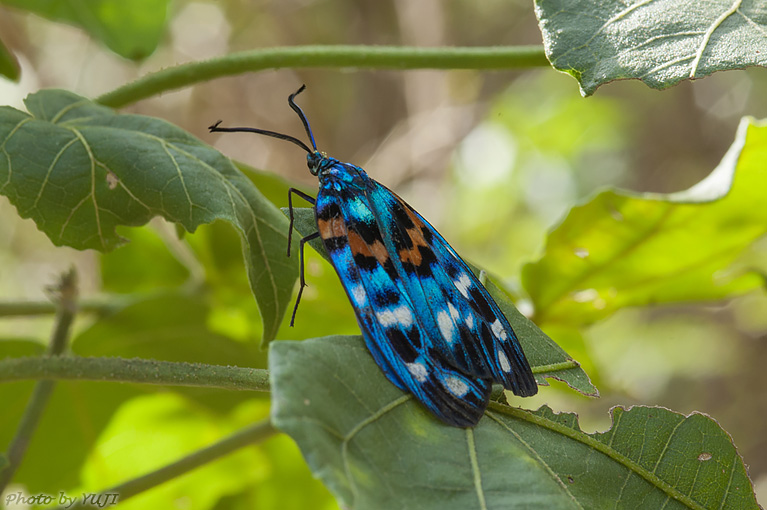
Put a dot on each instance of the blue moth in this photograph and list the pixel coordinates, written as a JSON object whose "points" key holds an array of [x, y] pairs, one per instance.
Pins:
{"points": [[427, 320]]}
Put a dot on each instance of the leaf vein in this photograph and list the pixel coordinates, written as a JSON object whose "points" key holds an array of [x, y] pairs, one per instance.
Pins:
{"points": [[707, 37]]}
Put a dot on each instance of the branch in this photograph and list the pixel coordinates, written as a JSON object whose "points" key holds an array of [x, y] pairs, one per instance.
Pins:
{"points": [[66, 297], [27, 308], [142, 371], [357, 57]]}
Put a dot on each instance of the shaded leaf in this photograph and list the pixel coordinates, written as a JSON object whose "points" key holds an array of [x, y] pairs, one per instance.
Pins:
{"points": [[660, 43], [332, 399], [546, 358], [130, 28], [631, 249], [9, 65], [79, 170], [144, 265]]}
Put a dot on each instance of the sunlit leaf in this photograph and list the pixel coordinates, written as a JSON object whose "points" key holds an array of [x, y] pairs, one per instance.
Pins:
{"points": [[660, 43], [153, 431], [375, 447], [631, 249], [130, 28], [544, 355], [79, 170]]}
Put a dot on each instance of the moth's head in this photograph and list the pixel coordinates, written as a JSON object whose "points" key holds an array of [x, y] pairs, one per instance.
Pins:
{"points": [[317, 161]]}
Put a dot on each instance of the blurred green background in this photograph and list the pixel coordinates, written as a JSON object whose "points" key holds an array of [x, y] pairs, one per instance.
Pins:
{"points": [[493, 159]]}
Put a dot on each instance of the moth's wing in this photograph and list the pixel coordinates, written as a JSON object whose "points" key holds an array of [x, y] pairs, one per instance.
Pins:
{"points": [[389, 321], [466, 325]]}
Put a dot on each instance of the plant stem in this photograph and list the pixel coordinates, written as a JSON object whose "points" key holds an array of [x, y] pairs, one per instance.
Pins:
{"points": [[67, 307], [140, 371], [30, 308], [357, 57], [250, 435]]}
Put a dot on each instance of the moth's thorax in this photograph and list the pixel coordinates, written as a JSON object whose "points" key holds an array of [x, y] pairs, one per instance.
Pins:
{"points": [[333, 173]]}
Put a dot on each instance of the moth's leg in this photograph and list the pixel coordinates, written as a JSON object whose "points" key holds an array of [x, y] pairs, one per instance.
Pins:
{"points": [[306, 197], [301, 281]]}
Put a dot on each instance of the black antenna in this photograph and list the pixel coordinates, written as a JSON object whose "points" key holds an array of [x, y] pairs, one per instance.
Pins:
{"points": [[215, 127], [301, 115]]}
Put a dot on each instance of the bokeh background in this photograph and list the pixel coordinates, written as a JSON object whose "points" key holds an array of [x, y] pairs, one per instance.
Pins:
{"points": [[493, 159]]}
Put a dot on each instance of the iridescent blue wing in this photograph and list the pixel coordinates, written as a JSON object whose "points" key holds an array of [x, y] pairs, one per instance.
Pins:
{"points": [[466, 329], [391, 322]]}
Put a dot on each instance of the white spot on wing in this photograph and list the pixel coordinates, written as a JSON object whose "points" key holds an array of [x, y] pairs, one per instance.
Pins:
{"points": [[401, 316], [446, 326], [504, 361], [456, 386], [453, 312], [462, 284], [498, 330], [359, 295], [417, 370], [470, 321]]}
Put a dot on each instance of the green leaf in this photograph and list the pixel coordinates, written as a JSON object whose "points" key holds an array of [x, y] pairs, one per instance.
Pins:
{"points": [[631, 249], [79, 170], [130, 28], [145, 265], [329, 396], [544, 355], [660, 43], [9, 65]]}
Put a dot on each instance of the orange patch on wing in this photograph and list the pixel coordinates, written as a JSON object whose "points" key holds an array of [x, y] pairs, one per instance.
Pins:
{"points": [[413, 255], [359, 246], [334, 227]]}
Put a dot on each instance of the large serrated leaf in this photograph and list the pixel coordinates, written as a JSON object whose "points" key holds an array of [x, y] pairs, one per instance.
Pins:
{"points": [[79, 170], [659, 42], [130, 28], [546, 358], [375, 447], [632, 249]]}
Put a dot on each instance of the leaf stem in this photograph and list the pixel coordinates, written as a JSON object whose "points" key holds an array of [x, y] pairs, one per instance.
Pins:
{"points": [[254, 434], [357, 57], [140, 371], [66, 294]]}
